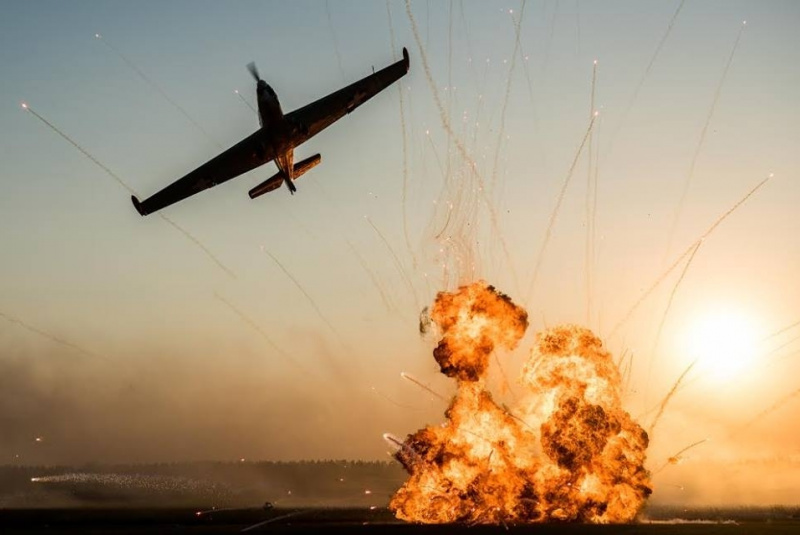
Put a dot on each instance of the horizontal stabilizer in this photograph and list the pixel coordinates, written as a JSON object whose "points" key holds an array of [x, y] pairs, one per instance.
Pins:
{"points": [[309, 163], [275, 181], [271, 184]]}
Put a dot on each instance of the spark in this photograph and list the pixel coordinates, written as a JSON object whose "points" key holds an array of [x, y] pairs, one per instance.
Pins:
{"points": [[236, 91]]}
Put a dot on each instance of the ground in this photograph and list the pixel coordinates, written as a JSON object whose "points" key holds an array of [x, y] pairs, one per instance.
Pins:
{"points": [[380, 520]]}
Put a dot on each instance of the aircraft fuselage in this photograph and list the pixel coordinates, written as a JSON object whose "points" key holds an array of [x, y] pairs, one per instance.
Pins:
{"points": [[271, 117]]}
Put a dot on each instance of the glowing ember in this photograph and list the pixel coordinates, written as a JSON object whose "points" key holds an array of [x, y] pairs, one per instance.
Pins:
{"points": [[567, 452]]}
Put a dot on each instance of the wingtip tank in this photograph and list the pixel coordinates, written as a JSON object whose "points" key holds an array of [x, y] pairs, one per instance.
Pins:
{"points": [[138, 206]]}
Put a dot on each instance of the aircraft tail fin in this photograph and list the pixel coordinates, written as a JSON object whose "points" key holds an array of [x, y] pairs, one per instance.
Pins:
{"points": [[274, 182]]}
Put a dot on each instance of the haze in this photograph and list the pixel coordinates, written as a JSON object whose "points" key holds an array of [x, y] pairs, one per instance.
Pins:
{"points": [[278, 328]]}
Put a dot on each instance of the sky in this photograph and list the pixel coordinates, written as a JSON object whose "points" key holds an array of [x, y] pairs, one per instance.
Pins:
{"points": [[278, 328]]}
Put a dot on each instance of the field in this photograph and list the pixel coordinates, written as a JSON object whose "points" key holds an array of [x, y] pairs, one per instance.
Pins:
{"points": [[379, 520]]}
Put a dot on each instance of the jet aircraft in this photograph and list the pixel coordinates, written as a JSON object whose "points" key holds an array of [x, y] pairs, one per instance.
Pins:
{"points": [[276, 139]]}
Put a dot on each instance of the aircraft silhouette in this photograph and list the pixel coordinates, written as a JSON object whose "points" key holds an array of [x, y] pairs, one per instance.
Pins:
{"points": [[276, 139]]}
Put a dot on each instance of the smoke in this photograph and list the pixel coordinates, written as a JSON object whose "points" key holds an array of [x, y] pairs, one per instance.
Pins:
{"points": [[161, 404]]}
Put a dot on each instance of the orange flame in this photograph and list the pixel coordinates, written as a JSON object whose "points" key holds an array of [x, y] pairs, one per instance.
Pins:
{"points": [[567, 452]]}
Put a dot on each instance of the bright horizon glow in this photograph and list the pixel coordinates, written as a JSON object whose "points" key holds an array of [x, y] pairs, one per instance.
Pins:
{"points": [[724, 342]]}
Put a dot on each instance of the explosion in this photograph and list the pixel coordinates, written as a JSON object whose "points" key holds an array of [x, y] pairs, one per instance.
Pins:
{"points": [[566, 452]]}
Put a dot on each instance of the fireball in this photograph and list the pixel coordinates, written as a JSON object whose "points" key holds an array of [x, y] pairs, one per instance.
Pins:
{"points": [[568, 452]]}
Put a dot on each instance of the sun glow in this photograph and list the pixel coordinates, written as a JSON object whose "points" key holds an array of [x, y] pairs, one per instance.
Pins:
{"points": [[724, 343]]}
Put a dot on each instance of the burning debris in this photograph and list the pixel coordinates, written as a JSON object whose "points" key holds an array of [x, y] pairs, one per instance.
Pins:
{"points": [[567, 452]]}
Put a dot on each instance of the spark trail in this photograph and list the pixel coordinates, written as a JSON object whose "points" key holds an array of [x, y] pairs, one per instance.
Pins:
{"points": [[397, 264], [675, 458], [149, 81], [124, 184], [83, 151], [374, 278], [502, 128], [274, 519], [775, 406], [306, 295], [245, 101], [647, 69], [394, 401], [549, 45], [667, 309], [781, 331], [249, 321], [335, 40], [404, 143], [556, 209], [701, 142], [409, 377], [667, 398], [595, 180], [53, 338], [199, 244], [589, 247], [445, 120], [687, 252]]}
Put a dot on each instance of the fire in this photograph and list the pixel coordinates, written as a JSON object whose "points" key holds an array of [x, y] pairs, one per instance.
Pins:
{"points": [[566, 452]]}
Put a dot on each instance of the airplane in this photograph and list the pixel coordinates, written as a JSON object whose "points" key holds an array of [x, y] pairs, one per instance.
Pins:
{"points": [[279, 134]]}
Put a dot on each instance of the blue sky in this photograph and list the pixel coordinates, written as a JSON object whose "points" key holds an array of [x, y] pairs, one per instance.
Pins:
{"points": [[79, 264]]}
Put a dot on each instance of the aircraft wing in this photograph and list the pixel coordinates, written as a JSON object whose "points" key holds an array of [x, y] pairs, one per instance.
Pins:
{"points": [[248, 154], [320, 114]]}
